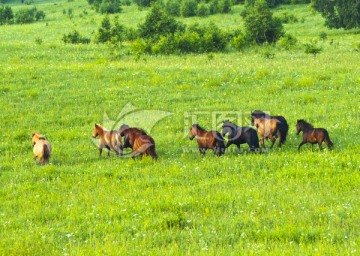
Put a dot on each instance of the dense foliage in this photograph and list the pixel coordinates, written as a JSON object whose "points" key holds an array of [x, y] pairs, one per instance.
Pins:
{"points": [[260, 24], [75, 38], [6, 15], [29, 15], [106, 6], [339, 13]]}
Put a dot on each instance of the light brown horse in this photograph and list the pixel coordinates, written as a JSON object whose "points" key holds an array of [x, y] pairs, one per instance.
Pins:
{"points": [[144, 145], [107, 139], [313, 135], [207, 140], [268, 129], [41, 147]]}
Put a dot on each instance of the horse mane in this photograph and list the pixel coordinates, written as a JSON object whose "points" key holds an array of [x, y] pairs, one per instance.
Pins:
{"points": [[259, 113], [39, 136], [197, 126], [306, 124], [101, 127]]}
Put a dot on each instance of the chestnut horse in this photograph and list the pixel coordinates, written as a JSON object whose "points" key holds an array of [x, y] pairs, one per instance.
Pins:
{"points": [[269, 129], [283, 128], [313, 135], [207, 140], [41, 148], [144, 145], [107, 139], [240, 135], [130, 134]]}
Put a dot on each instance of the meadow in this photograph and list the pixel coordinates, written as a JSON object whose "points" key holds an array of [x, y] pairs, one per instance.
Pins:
{"points": [[278, 203]]}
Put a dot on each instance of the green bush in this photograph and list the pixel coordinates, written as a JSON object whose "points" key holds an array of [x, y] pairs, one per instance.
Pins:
{"points": [[75, 38], [287, 41], [25, 16], [188, 8], [172, 7], [261, 27], [6, 15], [159, 23]]}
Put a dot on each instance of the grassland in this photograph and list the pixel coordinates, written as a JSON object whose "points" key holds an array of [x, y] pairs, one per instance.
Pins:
{"points": [[278, 203]]}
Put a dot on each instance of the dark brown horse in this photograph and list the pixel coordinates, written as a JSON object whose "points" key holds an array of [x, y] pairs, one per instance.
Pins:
{"points": [[240, 135], [313, 135], [207, 140], [130, 134], [283, 127], [144, 145]]}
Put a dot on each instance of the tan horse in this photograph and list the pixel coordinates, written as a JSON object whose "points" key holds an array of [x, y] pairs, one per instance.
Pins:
{"points": [[108, 139], [268, 129], [41, 148], [144, 145]]}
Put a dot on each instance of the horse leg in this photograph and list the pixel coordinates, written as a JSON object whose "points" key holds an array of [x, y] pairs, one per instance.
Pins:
{"points": [[320, 145], [202, 151], [302, 143], [262, 140], [273, 139], [100, 151]]}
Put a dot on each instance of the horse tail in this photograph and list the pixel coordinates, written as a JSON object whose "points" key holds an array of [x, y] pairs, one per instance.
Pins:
{"points": [[220, 144], [46, 154], [254, 141], [327, 140], [282, 130]]}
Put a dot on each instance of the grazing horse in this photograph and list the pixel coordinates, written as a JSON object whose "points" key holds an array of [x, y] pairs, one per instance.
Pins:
{"points": [[41, 148], [283, 128], [269, 129], [313, 135], [144, 145], [240, 135], [130, 134], [207, 140], [108, 139]]}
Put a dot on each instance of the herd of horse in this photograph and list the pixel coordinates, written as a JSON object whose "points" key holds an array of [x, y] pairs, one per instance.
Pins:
{"points": [[266, 127]]}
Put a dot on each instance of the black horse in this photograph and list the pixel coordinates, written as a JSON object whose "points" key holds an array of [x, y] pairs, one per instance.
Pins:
{"points": [[283, 127], [240, 135]]}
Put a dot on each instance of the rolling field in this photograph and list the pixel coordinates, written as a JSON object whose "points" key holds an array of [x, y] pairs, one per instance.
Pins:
{"points": [[278, 203]]}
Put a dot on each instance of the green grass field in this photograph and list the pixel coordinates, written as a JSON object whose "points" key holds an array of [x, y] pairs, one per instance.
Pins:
{"points": [[278, 203]]}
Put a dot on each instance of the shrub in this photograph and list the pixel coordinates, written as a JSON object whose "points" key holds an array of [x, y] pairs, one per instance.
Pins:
{"points": [[188, 8], [202, 10], [75, 38], [158, 23], [287, 41], [6, 15], [110, 6], [172, 7], [312, 48], [25, 16], [260, 25]]}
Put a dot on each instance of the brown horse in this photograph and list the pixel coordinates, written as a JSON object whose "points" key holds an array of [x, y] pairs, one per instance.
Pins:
{"points": [[269, 129], [130, 134], [144, 145], [108, 139], [41, 148], [207, 140], [313, 135]]}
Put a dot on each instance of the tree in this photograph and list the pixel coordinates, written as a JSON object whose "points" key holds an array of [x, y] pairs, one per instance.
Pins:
{"points": [[158, 23], [104, 32], [339, 13], [260, 25]]}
